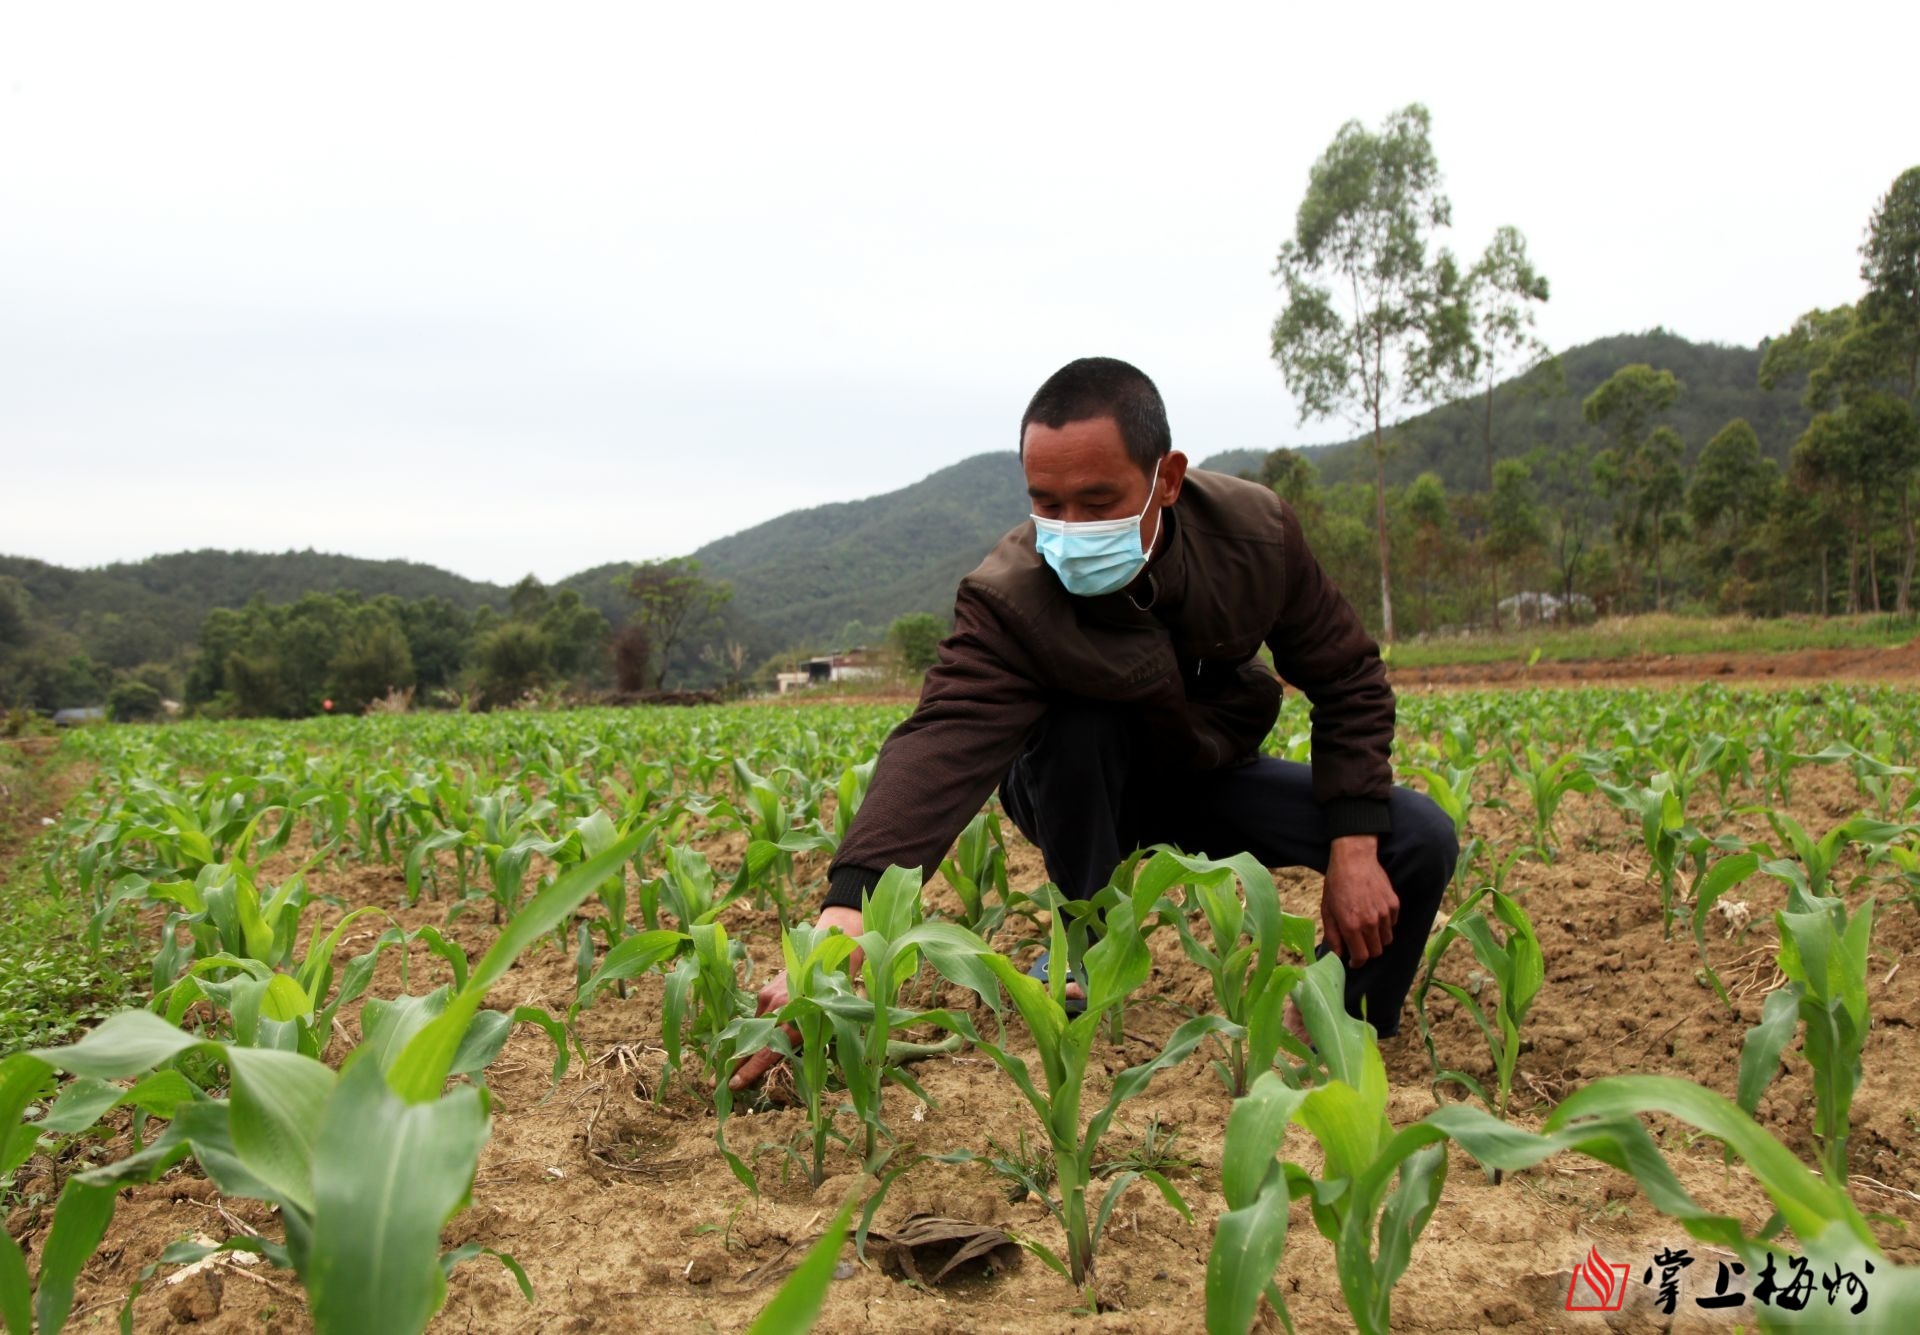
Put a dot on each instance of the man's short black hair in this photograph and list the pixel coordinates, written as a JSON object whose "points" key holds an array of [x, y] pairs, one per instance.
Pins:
{"points": [[1105, 387]]}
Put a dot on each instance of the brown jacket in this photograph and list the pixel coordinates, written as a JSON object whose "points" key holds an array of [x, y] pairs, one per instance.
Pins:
{"points": [[1235, 573]]}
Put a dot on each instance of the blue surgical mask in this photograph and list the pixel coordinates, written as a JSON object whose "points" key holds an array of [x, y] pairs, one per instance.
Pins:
{"points": [[1100, 555]]}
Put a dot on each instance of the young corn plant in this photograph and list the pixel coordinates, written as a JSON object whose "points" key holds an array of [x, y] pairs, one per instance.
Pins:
{"points": [[1823, 953], [687, 891], [1451, 787], [977, 871], [815, 981], [703, 999], [1115, 966], [1547, 783], [1246, 931], [1664, 831], [365, 1167], [847, 1039], [1810, 870], [1514, 961], [849, 793], [223, 912], [1374, 1194], [775, 830], [894, 937]]}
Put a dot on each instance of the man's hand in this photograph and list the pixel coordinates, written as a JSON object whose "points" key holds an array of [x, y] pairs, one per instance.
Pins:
{"points": [[1358, 908], [774, 995]]}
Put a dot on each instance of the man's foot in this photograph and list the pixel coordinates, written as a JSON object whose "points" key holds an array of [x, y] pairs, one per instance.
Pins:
{"points": [[1076, 1002]]}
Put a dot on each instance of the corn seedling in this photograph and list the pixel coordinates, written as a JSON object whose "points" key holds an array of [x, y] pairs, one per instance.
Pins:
{"points": [[1663, 832], [1115, 967], [815, 979], [1514, 962], [1823, 953], [1547, 782], [703, 1000], [1451, 788], [1246, 930], [977, 871], [1374, 1194], [894, 936]]}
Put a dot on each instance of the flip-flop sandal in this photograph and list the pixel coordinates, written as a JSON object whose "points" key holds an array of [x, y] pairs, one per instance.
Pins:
{"points": [[1072, 1005]]}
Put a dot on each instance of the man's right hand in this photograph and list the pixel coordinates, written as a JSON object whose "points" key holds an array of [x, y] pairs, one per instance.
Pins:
{"points": [[774, 995]]}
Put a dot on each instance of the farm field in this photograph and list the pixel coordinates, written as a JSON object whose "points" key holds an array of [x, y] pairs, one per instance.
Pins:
{"points": [[1646, 837]]}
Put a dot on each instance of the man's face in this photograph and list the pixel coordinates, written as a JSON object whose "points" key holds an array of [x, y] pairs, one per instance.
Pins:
{"points": [[1081, 471]]}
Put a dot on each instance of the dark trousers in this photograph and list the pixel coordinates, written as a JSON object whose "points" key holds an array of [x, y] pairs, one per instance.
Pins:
{"points": [[1087, 794]]}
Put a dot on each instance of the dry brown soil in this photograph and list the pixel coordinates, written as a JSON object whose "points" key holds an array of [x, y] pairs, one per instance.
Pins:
{"points": [[1899, 664]]}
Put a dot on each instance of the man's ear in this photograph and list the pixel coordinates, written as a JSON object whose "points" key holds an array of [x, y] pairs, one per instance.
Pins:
{"points": [[1173, 472]]}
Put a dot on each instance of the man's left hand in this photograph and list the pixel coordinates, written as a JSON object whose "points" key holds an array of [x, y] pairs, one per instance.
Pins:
{"points": [[1358, 908]]}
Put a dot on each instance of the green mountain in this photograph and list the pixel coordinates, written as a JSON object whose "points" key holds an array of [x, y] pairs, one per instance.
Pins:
{"points": [[806, 574], [149, 611], [1717, 384]]}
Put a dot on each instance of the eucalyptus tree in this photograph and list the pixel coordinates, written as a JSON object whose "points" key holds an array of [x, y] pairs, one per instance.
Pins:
{"points": [[1374, 325], [1503, 291]]}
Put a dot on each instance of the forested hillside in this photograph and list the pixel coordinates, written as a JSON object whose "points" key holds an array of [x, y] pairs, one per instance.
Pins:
{"points": [[141, 611], [808, 573], [1717, 384]]}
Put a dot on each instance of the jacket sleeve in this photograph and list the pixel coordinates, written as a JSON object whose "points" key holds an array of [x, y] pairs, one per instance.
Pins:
{"points": [[1321, 646], [937, 769]]}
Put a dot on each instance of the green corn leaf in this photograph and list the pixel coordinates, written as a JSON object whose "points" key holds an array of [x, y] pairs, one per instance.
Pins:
{"points": [[387, 1026], [24, 1078], [124, 1045], [80, 1220], [86, 1100], [16, 1289], [1340, 1040], [1256, 1129], [1044, 1018], [1248, 1243], [634, 956], [387, 1175], [276, 1109], [285, 1000], [1423, 1172], [449, 951], [1760, 1053], [1810, 1206], [468, 1251]]}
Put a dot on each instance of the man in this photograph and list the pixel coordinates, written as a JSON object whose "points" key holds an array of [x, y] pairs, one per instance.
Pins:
{"points": [[1102, 674]]}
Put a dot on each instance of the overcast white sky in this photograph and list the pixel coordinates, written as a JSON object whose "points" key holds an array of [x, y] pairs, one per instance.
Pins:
{"points": [[534, 287]]}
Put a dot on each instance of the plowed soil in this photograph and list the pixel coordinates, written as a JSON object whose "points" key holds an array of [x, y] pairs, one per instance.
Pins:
{"points": [[1899, 665], [626, 1218]]}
